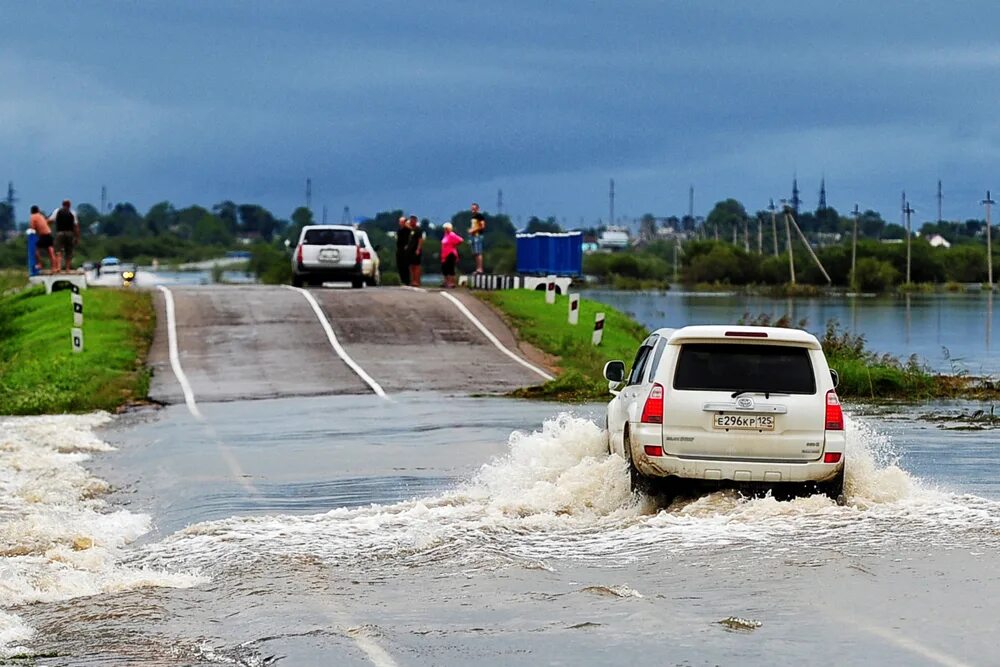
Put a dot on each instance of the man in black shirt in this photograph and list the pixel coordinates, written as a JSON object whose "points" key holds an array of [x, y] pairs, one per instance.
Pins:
{"points": [[67, 234], [402, 254]]}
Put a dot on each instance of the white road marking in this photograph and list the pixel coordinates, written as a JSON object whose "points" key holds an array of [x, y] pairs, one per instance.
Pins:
{"points": [[376, 387], [175, 364], [903, 641], [493, 339], [368, 645], [175, 361]]}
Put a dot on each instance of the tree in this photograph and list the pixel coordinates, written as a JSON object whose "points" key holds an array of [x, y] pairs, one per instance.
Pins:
{"points": [[123, 220], [227, 212], [6, 219], [211, 230], [726, 215], [548, 225], [161, 218], [88, 217], [256, 220]]}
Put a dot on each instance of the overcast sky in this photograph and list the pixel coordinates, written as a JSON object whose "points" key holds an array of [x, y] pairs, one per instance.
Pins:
{"points": [[427, 105]]}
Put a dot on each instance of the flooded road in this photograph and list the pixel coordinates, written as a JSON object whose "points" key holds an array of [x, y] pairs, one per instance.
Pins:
{"points": [[435, 530]]}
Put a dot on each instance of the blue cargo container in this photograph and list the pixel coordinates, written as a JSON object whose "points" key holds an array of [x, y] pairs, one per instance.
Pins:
{"points": [[545, 253]]}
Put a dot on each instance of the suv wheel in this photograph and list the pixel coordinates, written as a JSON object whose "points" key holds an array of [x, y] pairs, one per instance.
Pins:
{"points": [[296, 280], [834, 489], [637, 481], [357, 283]]}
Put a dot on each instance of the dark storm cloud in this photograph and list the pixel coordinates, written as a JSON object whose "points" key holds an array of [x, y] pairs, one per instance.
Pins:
{"points": [[426, 105]]}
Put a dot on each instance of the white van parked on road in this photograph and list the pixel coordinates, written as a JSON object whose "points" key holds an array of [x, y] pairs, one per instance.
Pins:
{"points": [[728, 405]]}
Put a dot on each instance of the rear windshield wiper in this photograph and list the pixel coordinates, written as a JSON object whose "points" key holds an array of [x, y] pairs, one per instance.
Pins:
{"points": [[767, 394]]}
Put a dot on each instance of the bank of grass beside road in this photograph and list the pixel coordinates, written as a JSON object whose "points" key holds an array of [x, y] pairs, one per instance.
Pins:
{"points": [[580, 363], [40, 374], [864, 375]]}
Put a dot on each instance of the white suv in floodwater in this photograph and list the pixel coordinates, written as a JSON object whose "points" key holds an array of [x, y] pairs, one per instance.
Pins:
{"points": [[729, 405]]}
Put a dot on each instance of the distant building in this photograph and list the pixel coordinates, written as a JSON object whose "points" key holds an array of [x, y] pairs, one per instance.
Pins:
{"points": [[938, 241], [614, 238]]}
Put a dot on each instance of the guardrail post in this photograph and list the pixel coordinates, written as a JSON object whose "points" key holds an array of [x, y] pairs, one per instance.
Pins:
{"points": [[574, 309], [598, 329]]}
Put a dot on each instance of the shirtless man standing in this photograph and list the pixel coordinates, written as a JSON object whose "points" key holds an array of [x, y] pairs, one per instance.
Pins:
{"points": [[45, 242], [67, 232]]}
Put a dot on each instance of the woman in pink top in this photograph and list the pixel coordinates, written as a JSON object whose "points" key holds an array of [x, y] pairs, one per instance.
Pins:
{"points": [[449, 254]]}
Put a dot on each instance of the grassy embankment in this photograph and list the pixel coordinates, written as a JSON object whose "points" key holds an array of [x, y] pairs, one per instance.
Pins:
{"points": [[864, 375], [39, 373]]}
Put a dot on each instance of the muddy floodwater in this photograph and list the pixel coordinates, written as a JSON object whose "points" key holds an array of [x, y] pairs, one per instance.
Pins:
{"points": [[434, 530]]}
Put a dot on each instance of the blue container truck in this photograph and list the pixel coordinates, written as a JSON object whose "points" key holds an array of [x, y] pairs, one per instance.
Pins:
{"points": [[548, 253]]}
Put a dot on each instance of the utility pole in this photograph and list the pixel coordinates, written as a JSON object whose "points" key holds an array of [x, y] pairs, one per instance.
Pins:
{"points": [[760, 236], [324, 214], [989, 244], [104, 199], [854, 250], [345, 219], [774, 227], [309, 193], [940, 198], [691, 205], [746, 235], [611, 203], [675, 261], [788, 238], [499, 202], [907, 211]]}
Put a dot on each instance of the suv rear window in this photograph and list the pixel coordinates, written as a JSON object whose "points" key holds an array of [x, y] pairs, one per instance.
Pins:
{"points": [[736, 367], [328, 237]]}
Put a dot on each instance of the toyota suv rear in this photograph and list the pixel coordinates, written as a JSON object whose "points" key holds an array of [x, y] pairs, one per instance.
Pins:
{"points": [[327, 253], [729, 405]]}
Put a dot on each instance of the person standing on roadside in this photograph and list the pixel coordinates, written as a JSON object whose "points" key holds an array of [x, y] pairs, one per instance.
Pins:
{"points": [[415, 249], [476, 236], [45, 241], [449, 254], [402, 255], [67, 234]]}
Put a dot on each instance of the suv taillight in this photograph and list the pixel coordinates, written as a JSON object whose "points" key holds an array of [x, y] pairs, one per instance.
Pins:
{"points": [[365, 254], [298, 254], [652, 411], [834, 413]]}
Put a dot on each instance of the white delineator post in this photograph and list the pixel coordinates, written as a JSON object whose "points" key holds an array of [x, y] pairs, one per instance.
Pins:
{"points": [[76, 332], [550, 290], [598, 329], [574, 309]]}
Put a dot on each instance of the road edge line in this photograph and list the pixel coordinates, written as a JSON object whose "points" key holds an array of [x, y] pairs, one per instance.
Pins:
{"points": [[337, 347], [175, 360], [493, 339]]}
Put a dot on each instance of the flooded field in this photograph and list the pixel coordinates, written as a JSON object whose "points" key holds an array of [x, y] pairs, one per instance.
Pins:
{"points": [[434, 530]]}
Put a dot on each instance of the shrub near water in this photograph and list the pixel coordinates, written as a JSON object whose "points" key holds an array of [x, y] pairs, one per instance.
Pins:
{"points": [[581, 363], [39, 373]]}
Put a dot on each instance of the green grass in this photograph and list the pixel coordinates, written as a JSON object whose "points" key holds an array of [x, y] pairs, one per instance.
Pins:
{"points": [[580, 363], [40, 374]]}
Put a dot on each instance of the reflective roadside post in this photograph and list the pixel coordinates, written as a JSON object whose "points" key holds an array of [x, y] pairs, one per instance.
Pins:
{"points": [[550, 290], [574, 309], [598, 329], [76, 333], [32, 245]]}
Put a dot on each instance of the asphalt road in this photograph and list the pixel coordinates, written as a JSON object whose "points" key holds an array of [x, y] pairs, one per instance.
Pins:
{"points": [[257, 342]]}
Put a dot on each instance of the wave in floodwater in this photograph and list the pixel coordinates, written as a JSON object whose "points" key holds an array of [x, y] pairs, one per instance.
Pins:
{"points": [[58, 538], [556, 495]]}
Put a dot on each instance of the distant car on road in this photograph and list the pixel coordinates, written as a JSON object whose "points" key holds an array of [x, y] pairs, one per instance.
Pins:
{"points": [[370, 263], [327, 253], [108, 265], [728, 405]]}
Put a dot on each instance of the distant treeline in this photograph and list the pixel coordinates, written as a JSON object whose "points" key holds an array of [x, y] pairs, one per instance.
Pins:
{"points": [[710, 250]]}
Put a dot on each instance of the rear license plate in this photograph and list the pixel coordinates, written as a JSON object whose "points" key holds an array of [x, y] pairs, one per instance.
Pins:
{"points": [[748, 422], [329, 255]]}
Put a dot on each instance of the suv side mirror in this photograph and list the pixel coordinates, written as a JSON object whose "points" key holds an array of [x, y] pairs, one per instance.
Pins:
{"points": [[836, 378], [614, 371]]}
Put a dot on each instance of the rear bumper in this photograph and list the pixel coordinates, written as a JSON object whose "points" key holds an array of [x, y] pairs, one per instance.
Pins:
{"points": [[735, 470], [328, 273]]}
